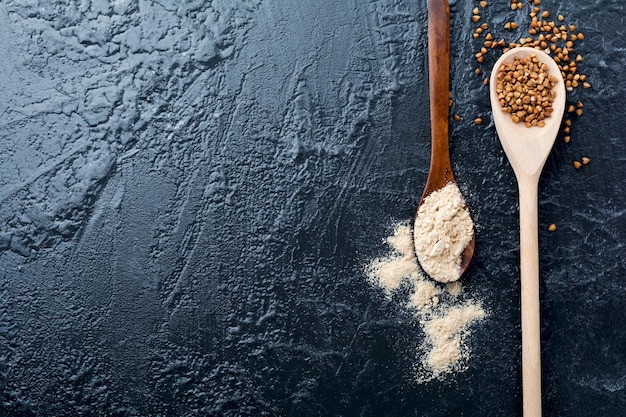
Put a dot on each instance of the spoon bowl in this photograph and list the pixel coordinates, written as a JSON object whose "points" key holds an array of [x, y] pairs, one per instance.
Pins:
{"points": [[527, 149]]}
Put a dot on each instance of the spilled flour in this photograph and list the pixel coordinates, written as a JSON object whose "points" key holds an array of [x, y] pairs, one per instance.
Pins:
{"points": [[443, 314]]}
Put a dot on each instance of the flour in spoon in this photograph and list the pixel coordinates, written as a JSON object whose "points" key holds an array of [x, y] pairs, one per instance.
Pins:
{"points": [[443, 229]]}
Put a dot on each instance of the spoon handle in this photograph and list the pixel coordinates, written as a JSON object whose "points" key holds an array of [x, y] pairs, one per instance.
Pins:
{"points": [[529, 268], [439, 88]]}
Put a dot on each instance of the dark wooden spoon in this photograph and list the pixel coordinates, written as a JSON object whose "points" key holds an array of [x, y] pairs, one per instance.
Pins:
{"points": [[440, 172]]}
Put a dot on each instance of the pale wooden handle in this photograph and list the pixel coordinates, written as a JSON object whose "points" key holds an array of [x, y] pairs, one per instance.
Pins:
{"points": [[529, 267]]}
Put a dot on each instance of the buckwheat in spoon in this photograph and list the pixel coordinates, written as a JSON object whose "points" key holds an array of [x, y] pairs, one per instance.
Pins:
{"points": [[443, 229], [527, 95]]}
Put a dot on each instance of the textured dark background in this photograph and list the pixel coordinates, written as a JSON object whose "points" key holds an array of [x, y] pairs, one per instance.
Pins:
{"points": [[189, 191]]}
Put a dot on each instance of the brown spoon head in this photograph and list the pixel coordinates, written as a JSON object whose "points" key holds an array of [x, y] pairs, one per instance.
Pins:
{"points": [[438, 179], [467, 255]]}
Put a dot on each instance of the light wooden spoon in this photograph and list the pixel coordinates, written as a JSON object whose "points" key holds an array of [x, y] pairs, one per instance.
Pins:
{"points": [[440, 171], [527, 150]]}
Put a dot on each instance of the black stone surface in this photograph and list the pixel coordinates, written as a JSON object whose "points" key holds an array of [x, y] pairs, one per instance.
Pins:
{"points": [[189, 191]]}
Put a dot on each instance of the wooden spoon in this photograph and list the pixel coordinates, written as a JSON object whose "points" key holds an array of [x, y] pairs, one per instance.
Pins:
{"points": [[527, 150], [440, 172]]}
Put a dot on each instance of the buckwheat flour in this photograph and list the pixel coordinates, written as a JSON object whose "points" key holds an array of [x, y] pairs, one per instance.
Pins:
{"points": [[445, 336], [389, 272], [443, 229], [441, 311]]}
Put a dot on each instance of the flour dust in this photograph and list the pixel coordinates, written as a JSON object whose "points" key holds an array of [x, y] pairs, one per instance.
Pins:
{"points": [[443, 311]]}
